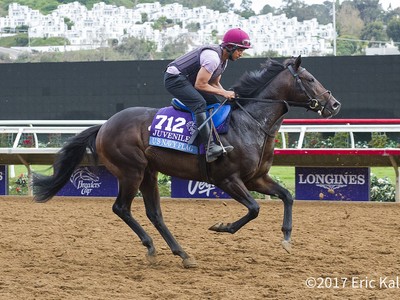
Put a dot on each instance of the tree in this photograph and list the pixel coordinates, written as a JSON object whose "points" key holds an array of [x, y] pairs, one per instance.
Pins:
{"points": [[268, 9], [393, 31], [390, 14], [162, 23], [347, 45], [69, 23], [348, 20], [318, 11], [21, 40], [323, 12], [145, 17], [193, 27], [302, 11], [220, 5], [291, 7], [245, 10], [174, 48], [370, 10], [374, 32], [136, 49]]}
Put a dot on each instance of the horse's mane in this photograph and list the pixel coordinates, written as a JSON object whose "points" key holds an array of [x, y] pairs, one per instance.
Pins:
{"points": [[252, 83]]}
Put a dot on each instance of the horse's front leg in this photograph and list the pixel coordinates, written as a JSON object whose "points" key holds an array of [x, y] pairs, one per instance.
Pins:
{"points": [[266, 185], [238, 191]]}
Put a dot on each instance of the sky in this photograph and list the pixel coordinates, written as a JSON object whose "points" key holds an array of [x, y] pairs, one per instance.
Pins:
{"points": [[259, 4]]}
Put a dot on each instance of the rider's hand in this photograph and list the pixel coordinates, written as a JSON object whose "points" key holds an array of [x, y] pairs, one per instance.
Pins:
{"points": [[229, 95]]}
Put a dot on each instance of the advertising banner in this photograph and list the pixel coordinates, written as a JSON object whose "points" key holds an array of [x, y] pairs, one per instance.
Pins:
{"points": [[3, 180], [91, 182], [182, 188], [341, 184]]}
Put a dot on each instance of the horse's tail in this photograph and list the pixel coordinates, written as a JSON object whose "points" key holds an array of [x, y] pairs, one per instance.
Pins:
{"points": [[67, 160]]}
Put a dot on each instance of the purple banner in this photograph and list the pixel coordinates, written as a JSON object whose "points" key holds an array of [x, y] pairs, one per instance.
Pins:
{"points": [[91, 182], [3, 180], [182, 188], [340, 184]]}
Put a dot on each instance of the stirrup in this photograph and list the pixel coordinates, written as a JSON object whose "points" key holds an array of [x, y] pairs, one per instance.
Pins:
{"points": [[210, 157], [227, 149]]}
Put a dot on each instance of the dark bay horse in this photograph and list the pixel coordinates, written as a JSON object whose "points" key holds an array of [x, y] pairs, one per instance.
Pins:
{"points": [[122, 145]]}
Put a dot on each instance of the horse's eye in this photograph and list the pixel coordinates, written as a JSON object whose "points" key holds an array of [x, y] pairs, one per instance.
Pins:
{"points": [[311, 79]]}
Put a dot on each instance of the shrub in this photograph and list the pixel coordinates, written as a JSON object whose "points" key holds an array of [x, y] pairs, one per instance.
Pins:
{"points": [[378, 140], [382, 189], [19, 185]]}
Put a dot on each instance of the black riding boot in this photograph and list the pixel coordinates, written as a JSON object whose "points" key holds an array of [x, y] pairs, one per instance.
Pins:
{"points": [[213, 150]]}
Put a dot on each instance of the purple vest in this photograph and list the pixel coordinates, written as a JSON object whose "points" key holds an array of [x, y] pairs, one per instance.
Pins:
{"points": [[189, 63]]}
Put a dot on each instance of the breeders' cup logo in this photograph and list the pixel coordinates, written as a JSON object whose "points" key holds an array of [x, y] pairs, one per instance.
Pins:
{"points": [[191, 127], [85, 181]]}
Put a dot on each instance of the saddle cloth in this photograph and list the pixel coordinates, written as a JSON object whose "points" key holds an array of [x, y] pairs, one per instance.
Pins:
{"points": [[173, 126]]}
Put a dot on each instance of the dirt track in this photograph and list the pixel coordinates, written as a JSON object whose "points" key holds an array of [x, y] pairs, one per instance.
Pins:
{"points": [[71, 248]]}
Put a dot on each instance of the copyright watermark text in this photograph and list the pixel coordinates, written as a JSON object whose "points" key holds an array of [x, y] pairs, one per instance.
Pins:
{"points": [[354, 282]]}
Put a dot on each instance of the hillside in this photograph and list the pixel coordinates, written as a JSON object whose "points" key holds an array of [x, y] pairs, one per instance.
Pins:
{"points": [[46, 6]]}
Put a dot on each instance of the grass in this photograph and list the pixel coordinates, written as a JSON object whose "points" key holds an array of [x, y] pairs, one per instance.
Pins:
{"points": [[21, 169]]}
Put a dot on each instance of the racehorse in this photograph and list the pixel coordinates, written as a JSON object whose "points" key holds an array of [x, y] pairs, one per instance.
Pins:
{"points": [[121, 144]]}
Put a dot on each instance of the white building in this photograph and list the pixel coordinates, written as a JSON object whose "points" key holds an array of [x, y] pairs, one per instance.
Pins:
{"points": [[93, 28]]}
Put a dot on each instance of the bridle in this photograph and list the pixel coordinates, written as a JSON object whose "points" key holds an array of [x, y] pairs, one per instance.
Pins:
{"points": [[313, 103]]}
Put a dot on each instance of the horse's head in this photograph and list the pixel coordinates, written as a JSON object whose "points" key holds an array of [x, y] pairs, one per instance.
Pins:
{"points": [[306, 91], [290, 82]]}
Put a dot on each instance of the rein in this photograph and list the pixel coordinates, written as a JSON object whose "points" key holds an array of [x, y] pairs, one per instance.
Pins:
{"points": [[313, 103], [250, 116], [291, 103]]}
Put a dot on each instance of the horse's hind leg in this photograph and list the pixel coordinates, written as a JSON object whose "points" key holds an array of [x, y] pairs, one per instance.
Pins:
{"points": [[151, 197], [122, 208]]}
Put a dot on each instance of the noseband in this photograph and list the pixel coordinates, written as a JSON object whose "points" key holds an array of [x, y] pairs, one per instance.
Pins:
{"points": [[313, 103]]}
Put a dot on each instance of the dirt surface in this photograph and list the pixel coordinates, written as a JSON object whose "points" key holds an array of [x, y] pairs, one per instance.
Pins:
{"points": [[75, 248]]}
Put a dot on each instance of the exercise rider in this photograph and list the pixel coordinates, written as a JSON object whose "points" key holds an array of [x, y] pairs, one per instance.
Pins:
{"points": [[194, 78]]}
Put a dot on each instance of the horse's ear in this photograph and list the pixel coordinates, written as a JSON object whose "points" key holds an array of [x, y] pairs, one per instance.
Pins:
{"points": [[297, 62]]}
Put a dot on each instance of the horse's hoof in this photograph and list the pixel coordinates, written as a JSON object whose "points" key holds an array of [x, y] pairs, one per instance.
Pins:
{"points": [[152, 259], [216, 227], [287, 246], [221, 227], [189, 263]]}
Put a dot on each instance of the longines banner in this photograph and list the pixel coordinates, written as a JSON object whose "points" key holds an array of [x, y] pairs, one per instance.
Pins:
{"points": [[90, 182], [342, 184], [3, 180], [181, 188]]}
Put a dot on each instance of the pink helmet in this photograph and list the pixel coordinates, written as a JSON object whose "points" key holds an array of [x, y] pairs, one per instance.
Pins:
{"points": [[236, 37]]}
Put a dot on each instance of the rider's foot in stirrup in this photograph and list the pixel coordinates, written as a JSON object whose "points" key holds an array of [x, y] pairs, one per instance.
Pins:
{"points": [[213, 152]]}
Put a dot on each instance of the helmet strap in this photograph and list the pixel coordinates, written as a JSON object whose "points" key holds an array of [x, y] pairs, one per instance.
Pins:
{"points": [[230, 51]]}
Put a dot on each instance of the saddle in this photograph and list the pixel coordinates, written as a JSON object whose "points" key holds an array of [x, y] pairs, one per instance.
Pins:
{"points": [[174, 127], [219, 118]]}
